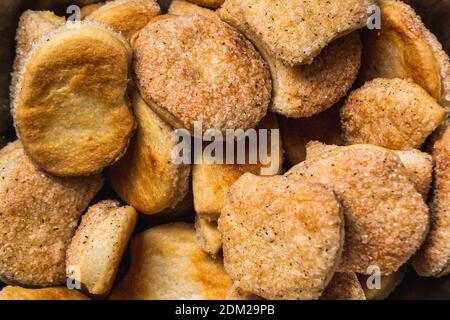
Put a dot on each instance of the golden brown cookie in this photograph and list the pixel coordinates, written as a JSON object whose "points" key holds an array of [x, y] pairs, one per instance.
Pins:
{"points": [[71, 111], [33, 25], [282, 239], [89, 8], [392, 113], [185, 8], [196, 69], [405, 48], [54, 293], [344, 286], [295, 31], [208, 236], [306, 90], [210, 182], [387, 284], [433, 259], [168, 264], [418, 164], [126, 16], [237, 293], [96, 250], [386, 219], [213, 4], [39, 214], [146, 177], [296, 133]]}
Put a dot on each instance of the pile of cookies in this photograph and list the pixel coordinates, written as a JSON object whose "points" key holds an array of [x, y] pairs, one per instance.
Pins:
{"points": [[364, 190]]}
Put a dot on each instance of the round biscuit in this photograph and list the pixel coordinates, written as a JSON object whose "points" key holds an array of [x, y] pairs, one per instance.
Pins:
{"points": [[282, 239], [196, 69]]}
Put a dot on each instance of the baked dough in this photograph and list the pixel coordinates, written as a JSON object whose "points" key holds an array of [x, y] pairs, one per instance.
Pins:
{"points": [[344, 286], [168, 264], [96, 250], [433, 259], [418, 164], [297, 133], [387, 285], [302, 91], [89, 8], [213, 4], [185, 8], [210, 182], [126, 16], [306, 90], [39, 214], [392, 113], [282, 238], [55, 293], [405, 48], [33, 25], [71, 111], [295, 31], [237, 293], [196, 69], [386, 219], [208, 236]]}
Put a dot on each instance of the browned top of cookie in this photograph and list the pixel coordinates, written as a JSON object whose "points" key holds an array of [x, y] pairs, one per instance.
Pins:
{"points": [[282, 239], [306, 90], [386, 218]]}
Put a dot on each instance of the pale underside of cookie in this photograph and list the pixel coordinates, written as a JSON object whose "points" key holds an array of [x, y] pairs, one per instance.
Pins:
{"points": [[96, 249], [433, 259], [392, 113], [386, 219], [306, 90], [55, 293], [168, 264], [297, 133], [405, 48], [282, 239], [344, 286], [33, 25], [126, 16], [208, 236], [381, 289], [184, 206], [418, 164], [196, 69], [146, 177], [39, 216], [71, 110], [294, 31], [211, 182]]}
